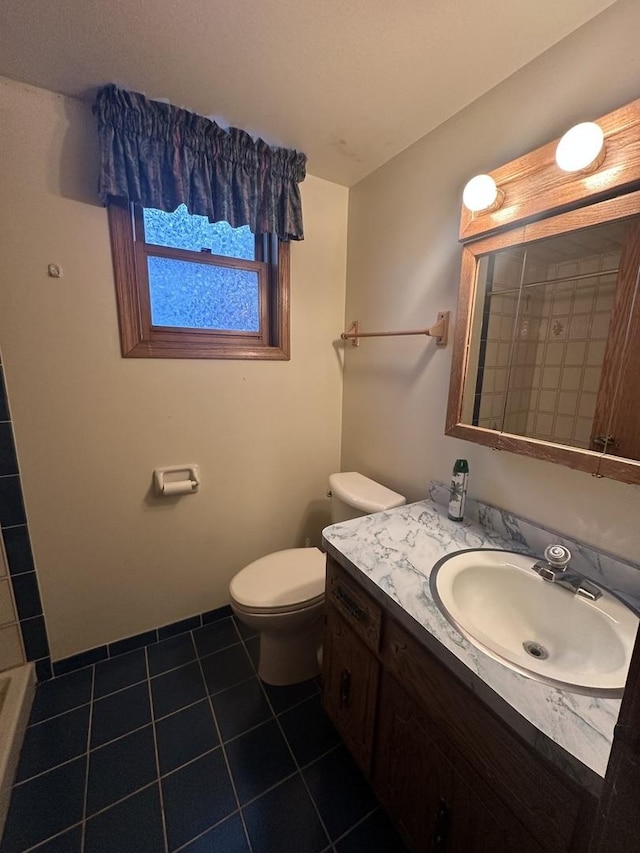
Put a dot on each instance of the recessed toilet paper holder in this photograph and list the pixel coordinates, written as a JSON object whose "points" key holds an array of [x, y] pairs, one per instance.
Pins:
{"points": [[176, 480]]}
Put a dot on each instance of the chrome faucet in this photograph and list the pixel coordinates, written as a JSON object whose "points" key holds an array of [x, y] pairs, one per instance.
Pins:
{"points": [[555, 569]]}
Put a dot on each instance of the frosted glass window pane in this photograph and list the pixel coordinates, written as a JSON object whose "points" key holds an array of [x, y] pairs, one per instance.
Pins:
{"points": [[202, 296], [182, 230]]}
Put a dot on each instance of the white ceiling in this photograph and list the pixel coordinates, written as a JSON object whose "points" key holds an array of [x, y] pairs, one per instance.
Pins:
{"points": [[350, 82]]}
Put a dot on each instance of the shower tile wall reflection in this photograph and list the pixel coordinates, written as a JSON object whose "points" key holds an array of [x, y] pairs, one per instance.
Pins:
{"points": [[562, 335], [546, 310]]}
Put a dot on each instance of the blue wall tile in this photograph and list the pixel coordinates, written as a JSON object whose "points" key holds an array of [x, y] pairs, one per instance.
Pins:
{"points": [[8, 460], [15, 535], [27, 595], [18, 549], [4, 405], [11, 505], [34, 636]]}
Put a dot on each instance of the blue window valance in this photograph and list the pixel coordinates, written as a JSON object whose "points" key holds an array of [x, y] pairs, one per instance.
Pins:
{"points": [[160, 156]]}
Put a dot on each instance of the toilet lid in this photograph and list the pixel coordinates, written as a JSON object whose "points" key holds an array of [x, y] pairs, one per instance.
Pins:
{"points": [[283, 579]]}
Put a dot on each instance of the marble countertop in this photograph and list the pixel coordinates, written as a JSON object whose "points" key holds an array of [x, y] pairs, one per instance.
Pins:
{"points": [[393, 553]]}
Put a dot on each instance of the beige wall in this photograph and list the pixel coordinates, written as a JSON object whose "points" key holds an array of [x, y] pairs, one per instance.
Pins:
{"points": [[91, 426], [403, 267]]}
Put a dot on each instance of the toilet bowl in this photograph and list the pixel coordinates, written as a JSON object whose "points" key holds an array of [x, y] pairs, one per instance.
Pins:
{"points": [[281, 596]]}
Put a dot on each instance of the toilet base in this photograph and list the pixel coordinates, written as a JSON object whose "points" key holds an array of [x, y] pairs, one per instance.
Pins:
{"points": [[289, 642], [286, 659]]}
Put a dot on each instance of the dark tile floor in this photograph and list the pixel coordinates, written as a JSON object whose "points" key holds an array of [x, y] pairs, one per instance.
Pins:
{"points": [[179, 746]]}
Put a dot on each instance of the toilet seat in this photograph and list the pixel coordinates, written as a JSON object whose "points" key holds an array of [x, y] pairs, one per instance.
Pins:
{"points": [[284, 581]]}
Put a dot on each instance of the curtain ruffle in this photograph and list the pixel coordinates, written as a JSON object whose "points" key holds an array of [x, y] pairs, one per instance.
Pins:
{"points": [[158, 155]]}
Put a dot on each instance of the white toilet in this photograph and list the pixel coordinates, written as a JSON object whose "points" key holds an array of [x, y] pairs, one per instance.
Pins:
{"points": [[281, 596]]}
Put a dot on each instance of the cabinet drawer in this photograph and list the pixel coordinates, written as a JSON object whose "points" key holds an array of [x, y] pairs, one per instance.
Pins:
{"points": [[361, 613], [546, 805]]}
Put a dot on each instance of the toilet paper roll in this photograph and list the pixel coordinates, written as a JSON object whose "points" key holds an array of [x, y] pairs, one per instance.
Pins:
{"points": [[180, 487]]}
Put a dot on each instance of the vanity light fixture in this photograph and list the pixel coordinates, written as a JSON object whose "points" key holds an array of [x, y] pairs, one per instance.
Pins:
{"points": [[581, 149], [481, 194]]}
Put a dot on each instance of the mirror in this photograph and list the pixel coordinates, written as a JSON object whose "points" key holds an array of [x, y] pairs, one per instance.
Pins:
{"points": [[547, 346], [544, 315]]}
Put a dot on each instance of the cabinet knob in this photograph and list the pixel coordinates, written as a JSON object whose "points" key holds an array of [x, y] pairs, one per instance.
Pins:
{"points": [[345, 688], [398, 648], [439, 841]]}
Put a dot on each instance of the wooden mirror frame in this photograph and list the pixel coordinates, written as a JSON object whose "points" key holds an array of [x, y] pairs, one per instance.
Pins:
{"points": [[542, 201]]}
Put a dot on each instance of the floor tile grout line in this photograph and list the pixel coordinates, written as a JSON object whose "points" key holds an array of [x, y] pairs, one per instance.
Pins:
{"points": [[197, 656], [179, 710], [247, 731], [268, 790], [246, 650], [55, 716], [190, 761], [82, 754], [86, 776], [120, 737], [44, 841], [226, 758], [108, 742], [138, 683], [171, 714], [49, 769], [171, 668], [209, 697], [217, 651], [148, 785], [295, 761], [204, 832], [142, 648], [121, 800], [357, 824], [237, 737], [293, 774], [313, 761], [226, 689], [156, 754], [295, 705]]}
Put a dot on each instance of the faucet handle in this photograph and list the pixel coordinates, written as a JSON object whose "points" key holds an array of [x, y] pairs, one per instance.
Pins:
{"points": [[557, 556]]}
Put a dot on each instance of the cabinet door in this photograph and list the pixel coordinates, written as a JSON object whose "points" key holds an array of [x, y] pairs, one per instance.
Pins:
{"points": [[488, 752], [435, 808], [350, 674]]}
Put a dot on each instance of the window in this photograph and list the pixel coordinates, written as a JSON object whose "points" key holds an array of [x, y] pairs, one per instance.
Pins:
{"points": [[187, 288]]}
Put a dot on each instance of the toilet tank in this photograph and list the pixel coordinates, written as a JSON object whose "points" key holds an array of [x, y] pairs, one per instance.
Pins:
{"points": [[353, 495]]}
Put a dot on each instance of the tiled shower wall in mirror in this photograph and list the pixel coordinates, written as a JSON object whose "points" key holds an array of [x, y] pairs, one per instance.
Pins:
{"points": [[23, 634], [558, 331]]}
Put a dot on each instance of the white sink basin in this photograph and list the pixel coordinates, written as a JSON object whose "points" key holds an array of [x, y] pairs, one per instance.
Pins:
{"points": [[501, 605]]}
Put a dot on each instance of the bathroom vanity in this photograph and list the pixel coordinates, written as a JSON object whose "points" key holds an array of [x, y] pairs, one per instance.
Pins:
{"points": [[464, 754]]}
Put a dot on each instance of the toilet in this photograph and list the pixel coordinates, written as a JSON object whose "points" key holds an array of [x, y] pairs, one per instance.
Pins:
{"points": [[281, 596]]}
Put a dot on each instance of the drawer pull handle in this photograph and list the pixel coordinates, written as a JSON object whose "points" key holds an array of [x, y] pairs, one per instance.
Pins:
{"points": [[398, 648], [350, 605], [439, 841], [345, 688]]}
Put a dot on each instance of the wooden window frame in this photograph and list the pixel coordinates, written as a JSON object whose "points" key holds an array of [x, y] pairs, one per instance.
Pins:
{"points": [[139, 338]]}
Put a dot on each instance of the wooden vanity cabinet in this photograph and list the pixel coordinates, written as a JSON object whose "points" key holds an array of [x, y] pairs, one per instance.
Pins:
{"points": [[451, 774]]}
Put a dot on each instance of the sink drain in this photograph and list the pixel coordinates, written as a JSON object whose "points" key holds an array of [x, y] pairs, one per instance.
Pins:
{"points": [[535, 650]]}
